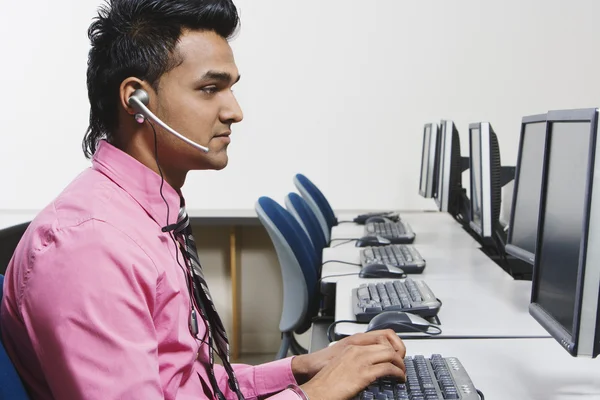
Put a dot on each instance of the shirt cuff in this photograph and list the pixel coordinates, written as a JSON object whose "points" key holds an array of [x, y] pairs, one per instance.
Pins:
{"points": [[285, 395], [274, 377]]}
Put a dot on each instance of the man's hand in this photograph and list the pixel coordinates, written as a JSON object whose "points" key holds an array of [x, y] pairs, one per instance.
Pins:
{"points": [[307, 366], [355, 364]]}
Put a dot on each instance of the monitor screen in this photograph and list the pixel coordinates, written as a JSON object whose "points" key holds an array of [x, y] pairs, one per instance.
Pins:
{"points": [[563, 214], [527, 192], [476, 182], [425, 173]]}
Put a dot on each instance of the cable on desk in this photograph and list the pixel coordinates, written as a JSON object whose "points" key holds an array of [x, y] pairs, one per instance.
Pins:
{"points": [[335, 276], [342, 262], [336, 239], [346, 241], [330, 329], [481, 396], [437, 332]]}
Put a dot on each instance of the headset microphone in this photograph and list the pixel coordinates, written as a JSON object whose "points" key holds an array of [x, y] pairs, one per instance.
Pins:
{"points": [[139, 101]]}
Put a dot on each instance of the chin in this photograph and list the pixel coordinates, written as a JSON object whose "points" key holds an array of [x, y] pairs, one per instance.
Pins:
{"points": [[216, 163], [220, 166], [214, 160]]}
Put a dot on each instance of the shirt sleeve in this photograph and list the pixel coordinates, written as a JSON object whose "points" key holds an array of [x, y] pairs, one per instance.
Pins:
{"points": [[86, 304], [260, 381]]}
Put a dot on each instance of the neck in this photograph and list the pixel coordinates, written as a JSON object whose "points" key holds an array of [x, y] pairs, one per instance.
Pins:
{"points": [[146, 155]]}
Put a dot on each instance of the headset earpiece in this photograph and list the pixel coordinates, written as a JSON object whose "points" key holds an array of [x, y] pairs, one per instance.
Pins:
{"points": [[140, 96]]}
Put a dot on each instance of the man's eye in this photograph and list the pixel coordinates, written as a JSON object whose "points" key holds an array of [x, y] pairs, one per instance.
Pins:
{"points": [[210, 89]]}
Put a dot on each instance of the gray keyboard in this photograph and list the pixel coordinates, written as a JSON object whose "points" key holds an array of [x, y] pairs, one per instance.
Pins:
{"points": [[435, 378], [402, 256], [396, 232], [413, 296]]}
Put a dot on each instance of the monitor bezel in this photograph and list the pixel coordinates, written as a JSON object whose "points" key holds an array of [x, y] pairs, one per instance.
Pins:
{"points": [[510, 248], [443, 190], [569, 342], [430, 178], [485, 160]]}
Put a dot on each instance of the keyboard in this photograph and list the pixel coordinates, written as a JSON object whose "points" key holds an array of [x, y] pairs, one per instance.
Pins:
{"points": [[426, 379], [402, 256], [413, 296], [396, 232]]}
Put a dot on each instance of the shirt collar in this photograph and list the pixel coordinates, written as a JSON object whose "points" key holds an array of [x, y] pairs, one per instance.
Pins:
{"points": [[139, 181]]}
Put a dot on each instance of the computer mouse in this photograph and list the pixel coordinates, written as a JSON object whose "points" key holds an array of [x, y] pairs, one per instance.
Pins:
{"points": [[381, 270], [372, 241], [378, 219], [399, 322]]}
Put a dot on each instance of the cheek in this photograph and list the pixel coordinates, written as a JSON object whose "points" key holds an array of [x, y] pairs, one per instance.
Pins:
{"points": [[192, 120]]}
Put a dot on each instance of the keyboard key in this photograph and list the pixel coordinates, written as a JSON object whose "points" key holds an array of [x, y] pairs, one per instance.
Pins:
{"points": [[374, 294], [363, 293]]}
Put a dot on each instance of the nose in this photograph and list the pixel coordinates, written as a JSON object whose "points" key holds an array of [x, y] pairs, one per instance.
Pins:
{"points": [[231, 113]]}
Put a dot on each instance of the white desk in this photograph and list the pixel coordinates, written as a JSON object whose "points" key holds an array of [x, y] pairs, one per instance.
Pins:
{"points": [[519, 369], [442, 263], [486, 308], [429, 227]]}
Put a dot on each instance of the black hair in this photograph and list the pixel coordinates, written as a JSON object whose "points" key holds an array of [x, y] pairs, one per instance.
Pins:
{"points": [[137, 38]]}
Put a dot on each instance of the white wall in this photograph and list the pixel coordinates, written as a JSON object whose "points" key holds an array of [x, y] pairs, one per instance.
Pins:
{"points": [[336, 89]]}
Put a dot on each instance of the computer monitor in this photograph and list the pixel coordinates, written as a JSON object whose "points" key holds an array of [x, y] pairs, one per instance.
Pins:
{"points": [[485, 173], [566, 274], [429, 161], [523, 225], [448, 196]]}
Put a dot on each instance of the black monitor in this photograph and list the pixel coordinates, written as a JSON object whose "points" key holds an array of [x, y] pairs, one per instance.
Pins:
{"points": [[566, 275], [449, 193], [523, 225], [429, 161], [486, 185]]}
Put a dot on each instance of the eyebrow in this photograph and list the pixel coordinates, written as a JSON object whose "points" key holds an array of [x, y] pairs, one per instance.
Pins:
{"points": [[225, 77]]}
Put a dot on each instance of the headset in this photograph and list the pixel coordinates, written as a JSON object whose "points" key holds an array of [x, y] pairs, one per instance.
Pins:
{"points": [[139, 101]]}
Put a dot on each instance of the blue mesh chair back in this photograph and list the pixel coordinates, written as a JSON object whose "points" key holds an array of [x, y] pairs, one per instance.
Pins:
{"points": [[317, 202], [11, 387], [298, 264], [300, 209]]}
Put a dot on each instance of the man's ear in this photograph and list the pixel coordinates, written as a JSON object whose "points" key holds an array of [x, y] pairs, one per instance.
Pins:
{"points": [[130, 85]]}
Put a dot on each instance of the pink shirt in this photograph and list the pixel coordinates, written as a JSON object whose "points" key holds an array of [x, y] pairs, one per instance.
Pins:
{"points": [[95, 305]]}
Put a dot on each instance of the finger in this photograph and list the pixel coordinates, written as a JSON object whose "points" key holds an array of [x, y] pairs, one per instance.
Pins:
{"points": [[384, 354], [393, 357], [375, 337], [377, 353], [366, 338], [384, 370], [399, 362], [396, 342]]}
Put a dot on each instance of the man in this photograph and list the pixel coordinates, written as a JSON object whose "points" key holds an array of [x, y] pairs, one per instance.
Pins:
{"points": [[103, 298]]}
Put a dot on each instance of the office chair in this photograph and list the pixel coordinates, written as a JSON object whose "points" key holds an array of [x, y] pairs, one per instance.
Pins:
{"points": [[9, 239], [318, 203], [11, 386], [298, 270], [300, 209]]}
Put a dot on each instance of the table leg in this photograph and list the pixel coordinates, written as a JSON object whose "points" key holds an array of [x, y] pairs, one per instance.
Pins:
{"points": [[235, 253]]}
